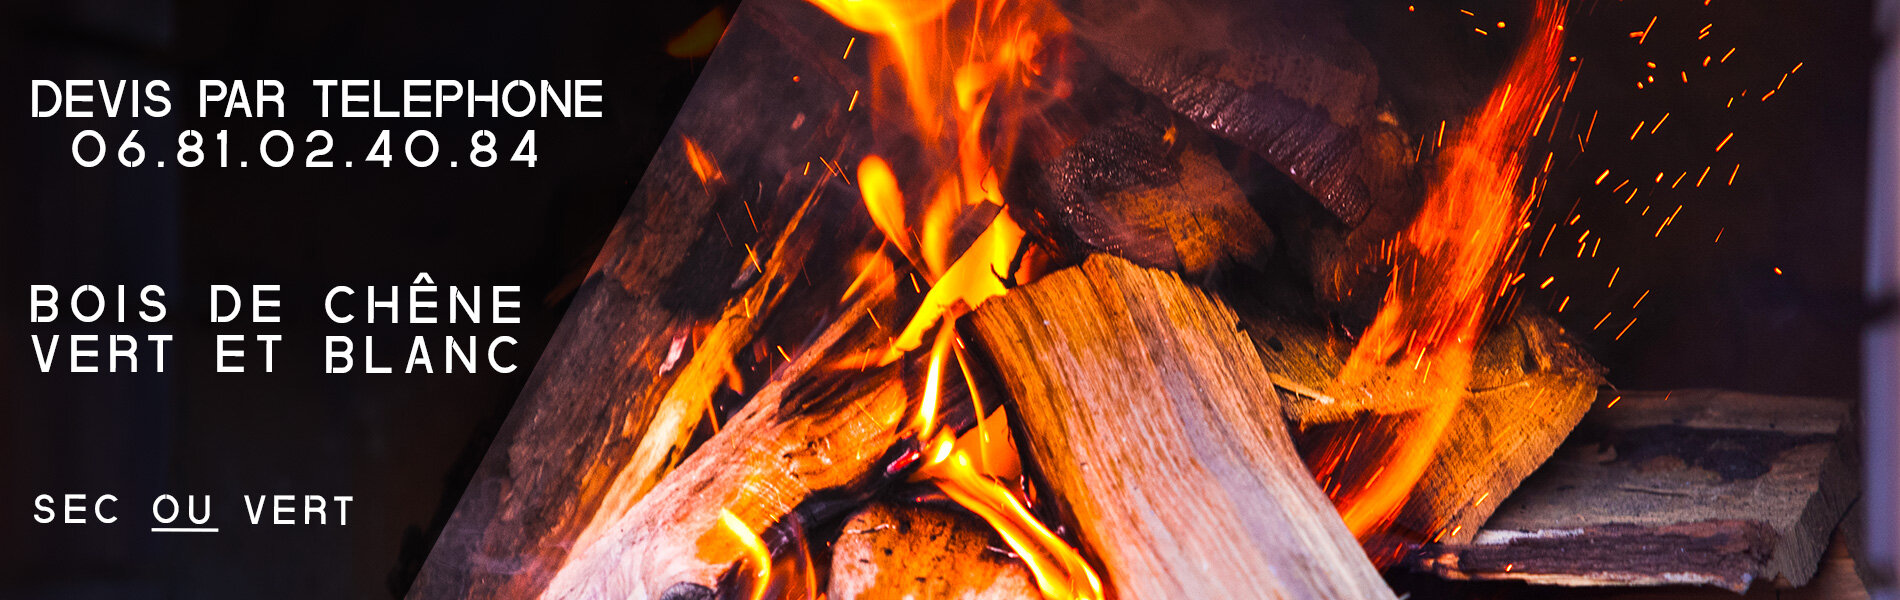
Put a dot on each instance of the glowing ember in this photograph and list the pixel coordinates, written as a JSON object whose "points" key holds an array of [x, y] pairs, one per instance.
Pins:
{"points": [[1448, 269]]}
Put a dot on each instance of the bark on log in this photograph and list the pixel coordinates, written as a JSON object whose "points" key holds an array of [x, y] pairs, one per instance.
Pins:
{"points": [[1530, 386], [892, 552], [1687, 487], [1283, 79], [1150, 417], [1141, 187]]}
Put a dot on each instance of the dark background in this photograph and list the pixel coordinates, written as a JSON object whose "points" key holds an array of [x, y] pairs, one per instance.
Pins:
{"points": [[404, 446]]}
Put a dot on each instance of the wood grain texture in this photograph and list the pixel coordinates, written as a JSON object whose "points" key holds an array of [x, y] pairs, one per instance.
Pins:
{"points": [[1689, 487], [1530, 386], [1144, 187], [676, 263], [1150, 417], [808, 432], [892, 552]]}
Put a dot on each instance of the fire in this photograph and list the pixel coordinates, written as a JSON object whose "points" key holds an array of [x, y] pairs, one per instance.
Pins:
{"points": [[1448, 269], [755, 550], [1059, 571], [698, 40], [968, 71]]}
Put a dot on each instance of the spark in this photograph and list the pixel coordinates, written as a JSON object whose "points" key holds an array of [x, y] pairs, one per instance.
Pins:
{"points": [[1644, 36], [1639, 299], [1724, 142], [1613, 274], [1659, 122], [1606, 317], [1547, 282], [1602, 176], [1626, 329]]}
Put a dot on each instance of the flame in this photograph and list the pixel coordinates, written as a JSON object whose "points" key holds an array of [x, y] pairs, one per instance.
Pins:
{"points": [[755, 550], [955, 60], [1448, 268], [698, 40], [1059, 571], [701, 161]]}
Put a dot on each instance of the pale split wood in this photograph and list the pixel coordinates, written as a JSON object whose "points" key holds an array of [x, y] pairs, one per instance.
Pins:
{"points": [[889, 551], [1151, 418]]}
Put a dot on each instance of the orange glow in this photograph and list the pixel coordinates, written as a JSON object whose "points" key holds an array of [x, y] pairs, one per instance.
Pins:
{"points": [[1448, 270], [974, 74], [967, 283], [701, 161], [1060, 572], [755, 550], [698, 40], [926, 418]]}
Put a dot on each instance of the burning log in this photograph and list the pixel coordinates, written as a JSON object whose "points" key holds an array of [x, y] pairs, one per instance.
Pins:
{"points": [[1151, 419], [1141, 188], [889, 551], [818, 435], [1282, 79], [1696, 487], [1531, 384]]}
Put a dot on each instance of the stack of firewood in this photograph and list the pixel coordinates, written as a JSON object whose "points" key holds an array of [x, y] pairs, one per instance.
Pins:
{"points": [[1210, 211]]}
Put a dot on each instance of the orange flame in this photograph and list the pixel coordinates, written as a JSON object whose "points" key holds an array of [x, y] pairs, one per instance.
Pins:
{"points": [[1060, 572], [954, 59], [1449, 264], [755, 550], [698, 40]]}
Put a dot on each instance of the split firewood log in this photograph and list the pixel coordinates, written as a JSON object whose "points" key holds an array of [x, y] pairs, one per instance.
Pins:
{"points": [[1140, 187], [1530, 386], [1284, 79], [1153, 422], [1687, 487], [892, 552]]}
